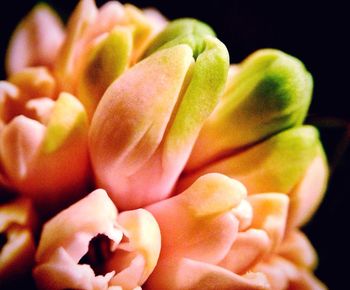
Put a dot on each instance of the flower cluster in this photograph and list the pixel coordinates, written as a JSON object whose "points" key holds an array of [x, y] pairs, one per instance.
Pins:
{"points": [[133, 155]]}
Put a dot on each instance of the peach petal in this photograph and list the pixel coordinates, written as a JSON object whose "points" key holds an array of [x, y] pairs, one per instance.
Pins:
{"points": [[307, 281], [10, 103], [181, 274], [34, 82], [20, 141], [248, 249], [188, 231], [278, 272], [308, 194], [297, 248], [270, 214], [36, 40], [40, 109], [282, 274]]}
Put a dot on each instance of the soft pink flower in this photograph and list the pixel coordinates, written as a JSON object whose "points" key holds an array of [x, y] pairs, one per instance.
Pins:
{"points": [[125, 251], [37, 137]]}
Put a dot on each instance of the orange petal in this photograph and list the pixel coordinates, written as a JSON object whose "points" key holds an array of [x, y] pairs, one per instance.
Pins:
{"points": [[297, 248], [308, 194], [248, 249], [270, 214], [180, 274], [18, 222]]}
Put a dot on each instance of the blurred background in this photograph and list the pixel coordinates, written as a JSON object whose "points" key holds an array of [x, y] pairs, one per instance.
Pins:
{"points": [[316, 33]]}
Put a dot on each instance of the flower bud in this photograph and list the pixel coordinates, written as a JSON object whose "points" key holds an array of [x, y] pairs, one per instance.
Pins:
{"points": [[270, 92], [143, 130]]}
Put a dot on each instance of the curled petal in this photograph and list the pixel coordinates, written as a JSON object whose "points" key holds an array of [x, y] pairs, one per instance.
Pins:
{"points": [[185, 273], [201, 213], [270, 214], [36, 41]]}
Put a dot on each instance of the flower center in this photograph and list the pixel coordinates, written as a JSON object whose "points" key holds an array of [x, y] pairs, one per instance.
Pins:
{"points": [[97, 254]]}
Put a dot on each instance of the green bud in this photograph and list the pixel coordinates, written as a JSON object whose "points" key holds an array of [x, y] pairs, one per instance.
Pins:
{"points": [[270, 93]]}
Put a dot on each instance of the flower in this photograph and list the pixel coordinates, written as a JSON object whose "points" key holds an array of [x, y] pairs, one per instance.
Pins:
{"points": [[223, 239], [38, 136], [201, 174], [128, 245]]}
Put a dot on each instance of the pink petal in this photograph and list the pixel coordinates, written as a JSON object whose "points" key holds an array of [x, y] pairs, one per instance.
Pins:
{"points": [[36, 40]]}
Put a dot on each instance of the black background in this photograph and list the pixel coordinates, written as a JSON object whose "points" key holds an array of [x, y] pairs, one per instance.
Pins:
{"points": [[316, 32]]}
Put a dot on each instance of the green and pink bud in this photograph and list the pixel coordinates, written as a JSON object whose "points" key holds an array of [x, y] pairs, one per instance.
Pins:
{"points": [[148, 120], [269, 92]]}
